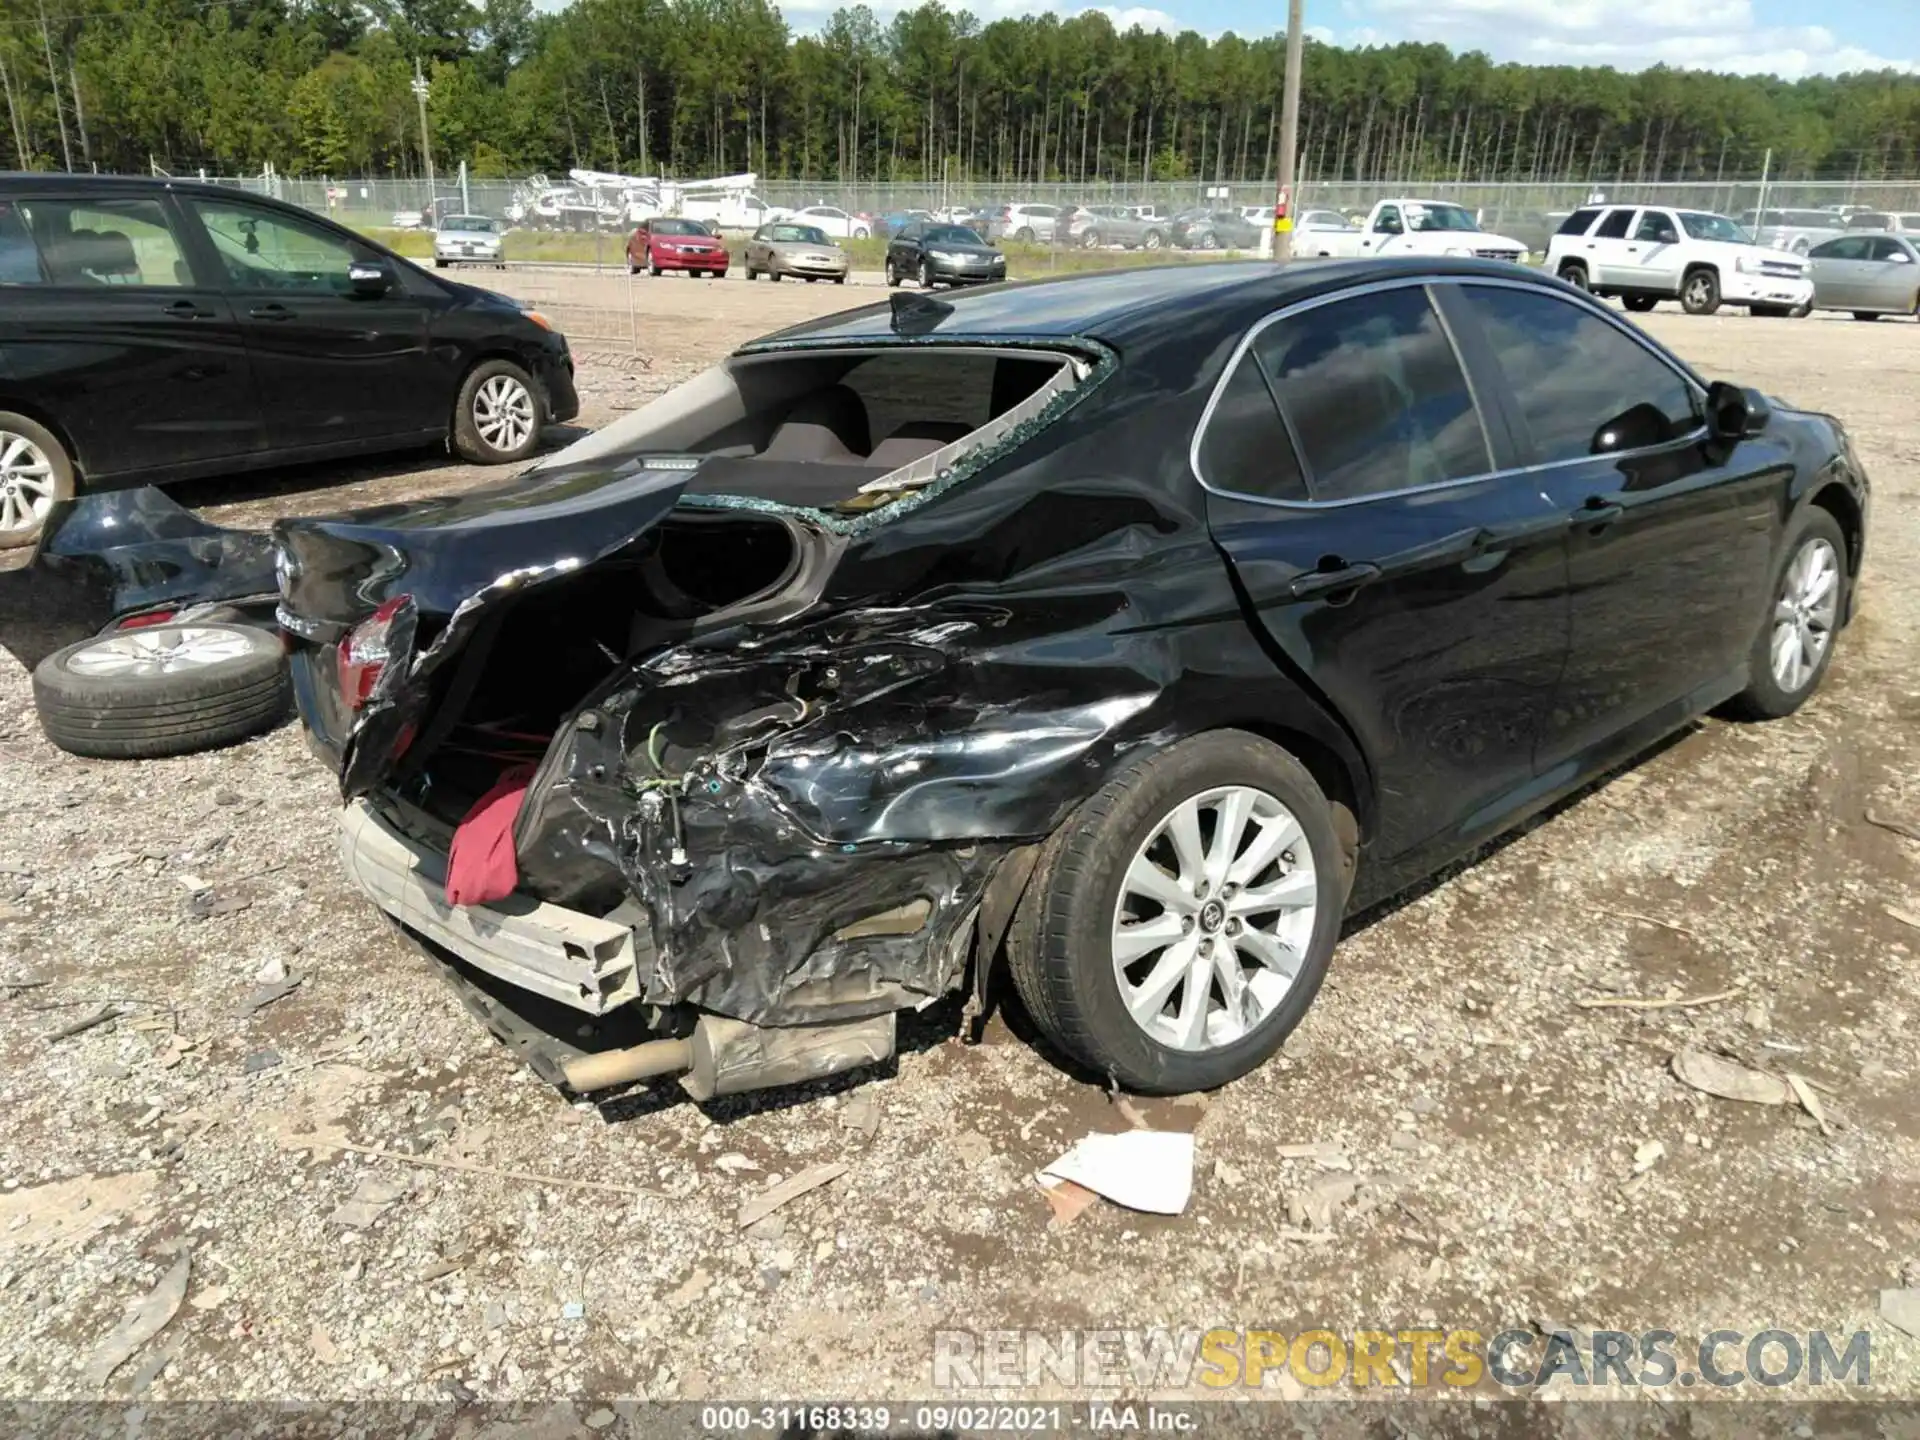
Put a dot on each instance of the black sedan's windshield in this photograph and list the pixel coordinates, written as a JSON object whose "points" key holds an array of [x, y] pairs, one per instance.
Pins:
{"points": [[951, 235]]}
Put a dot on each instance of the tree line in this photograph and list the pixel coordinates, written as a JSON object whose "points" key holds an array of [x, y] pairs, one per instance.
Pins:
{"points": [[689, 87]]}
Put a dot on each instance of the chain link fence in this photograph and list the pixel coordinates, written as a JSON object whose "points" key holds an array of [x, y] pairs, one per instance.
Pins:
{"points": [[1528, 212]]}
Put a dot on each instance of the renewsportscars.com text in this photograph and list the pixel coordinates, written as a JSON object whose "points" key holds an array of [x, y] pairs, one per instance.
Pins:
{"points": [[1514, 1360]]}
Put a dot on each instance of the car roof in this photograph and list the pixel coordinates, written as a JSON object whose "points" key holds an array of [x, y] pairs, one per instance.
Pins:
{"points": [[1130, 308]]}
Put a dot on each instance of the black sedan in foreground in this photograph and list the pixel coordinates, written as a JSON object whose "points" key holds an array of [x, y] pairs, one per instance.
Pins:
{"points": [[1129, 630], [936, 254], [154, 330]]}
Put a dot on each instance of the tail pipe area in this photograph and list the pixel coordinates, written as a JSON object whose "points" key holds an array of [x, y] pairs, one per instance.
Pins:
{"points": [[725, 1057]]}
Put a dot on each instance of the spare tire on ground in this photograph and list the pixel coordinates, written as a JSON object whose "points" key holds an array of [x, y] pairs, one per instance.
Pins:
{"points": [[162, 689]]}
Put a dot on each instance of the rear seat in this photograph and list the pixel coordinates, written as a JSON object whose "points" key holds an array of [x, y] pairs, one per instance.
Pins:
{"points": [[829, 425], [915, 440]]}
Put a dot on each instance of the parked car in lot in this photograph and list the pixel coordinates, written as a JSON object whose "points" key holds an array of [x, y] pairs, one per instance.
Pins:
{"points": [[1136, 628], [156, 330], [466, 240], [665, 243], [1869, 275], [1029, 224], [1652, 253], [1322, 220], [1118, 225], [1214, 230], [785, 247], [1795, 230], [831, 219], [943, 255], [1408, 226], [1900, 222]]}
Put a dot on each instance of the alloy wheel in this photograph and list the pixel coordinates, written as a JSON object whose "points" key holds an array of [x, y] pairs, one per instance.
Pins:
{"points": [[162, 651], [27, 489], [503, 412], [1699, 291], [1214, 918], [1803, 616]]}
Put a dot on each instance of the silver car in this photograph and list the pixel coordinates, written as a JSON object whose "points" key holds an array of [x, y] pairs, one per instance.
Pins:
{"points": [[1870, 275], [783, 248]]}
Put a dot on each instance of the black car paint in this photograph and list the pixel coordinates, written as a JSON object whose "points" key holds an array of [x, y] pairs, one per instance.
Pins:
{"points": [[970, 669], [908, 251], [145, 384]]}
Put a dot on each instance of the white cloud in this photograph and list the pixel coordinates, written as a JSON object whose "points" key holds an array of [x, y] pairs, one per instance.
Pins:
{"points": [[1719, 35]]}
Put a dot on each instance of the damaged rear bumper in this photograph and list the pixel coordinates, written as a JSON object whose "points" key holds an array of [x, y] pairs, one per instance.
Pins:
{"points": [[588, 963]]}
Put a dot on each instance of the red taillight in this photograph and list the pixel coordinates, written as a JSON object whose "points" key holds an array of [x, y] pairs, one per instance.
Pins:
{"points": [[363, 655], [152, 617]]}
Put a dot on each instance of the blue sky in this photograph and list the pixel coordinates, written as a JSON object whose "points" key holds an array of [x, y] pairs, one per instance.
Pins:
{"points": [[1783, 37]]}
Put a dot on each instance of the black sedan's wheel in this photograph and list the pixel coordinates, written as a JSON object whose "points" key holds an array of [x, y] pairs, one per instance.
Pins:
{"points": [[497, 419], [1795, 644], [926, 274], [893, 272], [1209, 241], [162, 690], [1177, 927], [1090, 240], [34, 473], [1700, 293]]}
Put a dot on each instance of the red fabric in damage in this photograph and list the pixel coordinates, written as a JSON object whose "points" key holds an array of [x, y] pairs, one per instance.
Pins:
{"points": [[481, 865]]}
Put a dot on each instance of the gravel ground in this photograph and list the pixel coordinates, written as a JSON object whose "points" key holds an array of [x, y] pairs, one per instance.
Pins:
{"points": [[378, 1202]]}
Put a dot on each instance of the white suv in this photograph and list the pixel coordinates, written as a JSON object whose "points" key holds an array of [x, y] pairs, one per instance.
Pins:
{"points": [[1649, 254]]}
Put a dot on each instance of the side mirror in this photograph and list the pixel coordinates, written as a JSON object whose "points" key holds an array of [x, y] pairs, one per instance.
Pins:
{"points": [[370, 278], [1900, 257], [1736, 413]]}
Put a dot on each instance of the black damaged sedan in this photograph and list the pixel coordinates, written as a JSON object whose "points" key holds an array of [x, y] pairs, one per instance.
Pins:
{"points": [[1129, 630]]}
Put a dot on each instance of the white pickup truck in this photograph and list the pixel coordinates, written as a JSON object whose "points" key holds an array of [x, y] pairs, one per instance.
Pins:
{"points": [[1411, 227], [1646, 254]]}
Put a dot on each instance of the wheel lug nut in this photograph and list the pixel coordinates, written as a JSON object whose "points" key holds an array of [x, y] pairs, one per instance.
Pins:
{"points": [[1206, 947], [1233, 927], [1186, 925]]}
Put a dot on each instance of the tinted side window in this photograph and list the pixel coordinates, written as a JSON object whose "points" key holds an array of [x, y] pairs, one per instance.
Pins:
{"points": [[1614, 227], [19, 256], [265, 250], [1853, 247], [1375, 394], [1887, 249], [107, 242], [1577, 222], [1245, 447], [1584, 387]]}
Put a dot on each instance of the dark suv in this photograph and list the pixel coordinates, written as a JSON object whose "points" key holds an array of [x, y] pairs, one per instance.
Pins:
{"points": [[153, 331]]}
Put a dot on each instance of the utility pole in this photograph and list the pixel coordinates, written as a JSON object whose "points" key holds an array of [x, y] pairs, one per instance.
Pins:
{"points": [[1283, 205], [420, 88]]}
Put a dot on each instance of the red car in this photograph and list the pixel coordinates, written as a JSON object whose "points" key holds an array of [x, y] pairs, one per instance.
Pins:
{"points": [[665, 244]]}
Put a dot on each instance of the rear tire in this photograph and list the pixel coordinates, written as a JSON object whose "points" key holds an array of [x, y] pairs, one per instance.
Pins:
{"points": [[1061, 944], [926, 275], [773, 274], [1153, 240], [35, 475], [496, 420], [111, 708], [1768, 695]]}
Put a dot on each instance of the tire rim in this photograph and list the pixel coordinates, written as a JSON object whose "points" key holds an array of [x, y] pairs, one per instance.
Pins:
{"points": [[146, 653], [26, 484], [503, 412], [1698, 290], [1804, 614], [1214, 918]]}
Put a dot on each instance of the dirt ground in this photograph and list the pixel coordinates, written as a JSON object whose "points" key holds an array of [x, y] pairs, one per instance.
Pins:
{"points": [[1492, 1121]]}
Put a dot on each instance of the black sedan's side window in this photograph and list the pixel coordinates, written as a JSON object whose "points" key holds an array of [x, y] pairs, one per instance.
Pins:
{"points": [[1376, 395], [1245, 447], [1584, 387]]}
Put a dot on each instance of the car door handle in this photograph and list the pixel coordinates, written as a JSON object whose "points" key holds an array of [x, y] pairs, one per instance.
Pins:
{"points": [[186, 310], [1328, 582], [271, 312]]}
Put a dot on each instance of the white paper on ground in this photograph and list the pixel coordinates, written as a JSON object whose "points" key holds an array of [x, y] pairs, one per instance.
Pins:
{"points": [[1148, 1170]]}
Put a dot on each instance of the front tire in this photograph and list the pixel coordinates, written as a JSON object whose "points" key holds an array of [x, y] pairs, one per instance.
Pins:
{"points": [[1700, 293], [35, 474], [893, 274], [162, 690], [926, 275], [1222, 841], [1791, 653], [496, 420]]}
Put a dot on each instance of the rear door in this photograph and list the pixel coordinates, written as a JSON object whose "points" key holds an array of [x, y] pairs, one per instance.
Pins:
{"points": [[334, 369], [106, 324], [1421, 591], [1672, 534], [1609, 253]]}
